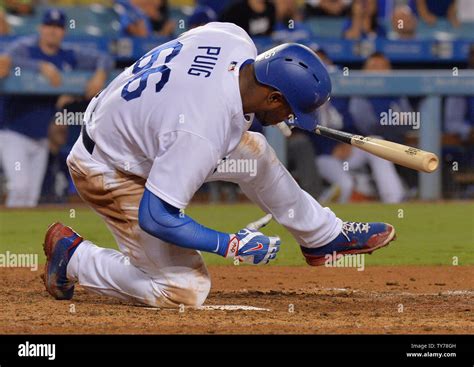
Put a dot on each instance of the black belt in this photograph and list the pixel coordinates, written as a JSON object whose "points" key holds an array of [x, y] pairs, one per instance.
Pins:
{"points": [[87, 141]]}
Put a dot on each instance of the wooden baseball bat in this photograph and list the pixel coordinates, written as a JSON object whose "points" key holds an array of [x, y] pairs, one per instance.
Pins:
{"points": [[397, 153]]}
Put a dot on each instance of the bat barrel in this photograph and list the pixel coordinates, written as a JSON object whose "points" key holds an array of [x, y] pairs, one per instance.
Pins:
{"points": [[403, 155], [397, 153], [431, 163]]}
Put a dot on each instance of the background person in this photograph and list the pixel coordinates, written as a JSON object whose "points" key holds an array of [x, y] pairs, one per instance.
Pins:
{"points": [[345, 167], [404, 24], [431, 10], [25, 145], [256, 17], [362, 22], [326, 8]]}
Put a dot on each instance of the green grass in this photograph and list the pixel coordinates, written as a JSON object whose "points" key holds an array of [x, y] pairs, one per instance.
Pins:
{"points": [[428, 233]]}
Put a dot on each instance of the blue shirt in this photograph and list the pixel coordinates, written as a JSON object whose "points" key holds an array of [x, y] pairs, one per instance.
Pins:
{"points": [[130, 14], [439, 7], [366, 113], [459, 115], [31, 114]]}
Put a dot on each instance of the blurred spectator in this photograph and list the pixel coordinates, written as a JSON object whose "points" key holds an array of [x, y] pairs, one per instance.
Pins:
{"points": [[343, 166], [217, 5], [142, 18], [385, 8], [4, 26], [289, 27], [201, 16], [431, 10], [328, 8], [459, 117], [256, 17], [25, 148], [134, 17], [4, 69], [465, 11], [367, 112], [459, 112], [20, 7], [363, 21], [160, 18], [300, 165], [404, 23], [2, 129], [55, 185], [458, 143]]}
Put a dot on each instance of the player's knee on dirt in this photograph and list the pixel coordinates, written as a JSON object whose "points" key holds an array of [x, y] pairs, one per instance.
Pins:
{"points": [[193, 293]]}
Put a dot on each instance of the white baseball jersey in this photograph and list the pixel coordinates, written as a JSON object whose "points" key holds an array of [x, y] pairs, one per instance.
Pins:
{"points": [[172, 115]]}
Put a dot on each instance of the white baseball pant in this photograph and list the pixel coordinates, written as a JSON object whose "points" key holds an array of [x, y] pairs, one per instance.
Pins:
{"points": [[387, 180], [24, 162]]}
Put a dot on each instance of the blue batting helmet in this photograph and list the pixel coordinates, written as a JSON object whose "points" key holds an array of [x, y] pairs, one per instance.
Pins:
{"points": [[299, 74]]}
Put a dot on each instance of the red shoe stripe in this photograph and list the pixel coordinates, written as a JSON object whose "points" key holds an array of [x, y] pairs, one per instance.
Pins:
{"points": [[75, 243]]}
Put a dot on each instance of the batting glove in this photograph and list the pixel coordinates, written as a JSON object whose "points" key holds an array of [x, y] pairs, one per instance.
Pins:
{"points": [[254, 247]]}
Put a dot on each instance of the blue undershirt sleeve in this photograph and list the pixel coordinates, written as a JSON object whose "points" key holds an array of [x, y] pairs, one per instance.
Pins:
{"points": [[169, 224]]}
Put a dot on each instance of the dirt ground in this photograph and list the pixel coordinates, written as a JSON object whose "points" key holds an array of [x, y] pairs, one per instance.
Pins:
{"points": [[378, 300]]}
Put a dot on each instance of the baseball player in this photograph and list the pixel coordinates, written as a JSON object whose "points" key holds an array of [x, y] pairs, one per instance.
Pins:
{"points": [[155, 135]]}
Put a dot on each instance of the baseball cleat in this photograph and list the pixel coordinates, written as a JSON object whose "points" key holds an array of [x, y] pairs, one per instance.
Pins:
{"points": [[60, 242], [355, 238]]}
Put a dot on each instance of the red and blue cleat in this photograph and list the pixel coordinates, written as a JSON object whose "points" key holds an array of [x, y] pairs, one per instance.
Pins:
{"points": [[59, 245], [355, 238]]}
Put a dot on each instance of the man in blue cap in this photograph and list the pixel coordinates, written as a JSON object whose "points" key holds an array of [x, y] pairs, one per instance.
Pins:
{"points": [[27, 117]]}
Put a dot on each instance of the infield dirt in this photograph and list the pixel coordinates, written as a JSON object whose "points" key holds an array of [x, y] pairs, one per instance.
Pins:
{"points": [[378, 300]]}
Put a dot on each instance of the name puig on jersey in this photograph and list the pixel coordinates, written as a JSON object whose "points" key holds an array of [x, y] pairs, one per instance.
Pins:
{"points": [[204, 63]]}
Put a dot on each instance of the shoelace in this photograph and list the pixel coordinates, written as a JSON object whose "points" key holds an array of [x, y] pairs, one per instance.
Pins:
{"points": [[354, 227]]}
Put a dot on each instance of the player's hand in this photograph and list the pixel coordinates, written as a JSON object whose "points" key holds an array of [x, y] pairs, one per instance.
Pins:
{"points": [[51, 73], [254, 247]]}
